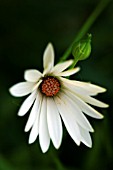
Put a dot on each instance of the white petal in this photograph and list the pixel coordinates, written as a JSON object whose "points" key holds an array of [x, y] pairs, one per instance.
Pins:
{"points": [[68, 120], [94, 101], [61, 66], [83, 93], [34, 132], [44, 137], [92, 87], [48, 58], [35, 129], [77, 113], [69, 72], [54, 122], [34, 113], [83, 87], [21, 89], [37, 85], [74, 88], [83, 106], [27, 104], [32, 75], [86, 138]]}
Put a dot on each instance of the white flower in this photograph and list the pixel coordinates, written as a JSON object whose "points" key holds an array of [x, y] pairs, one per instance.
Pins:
{"points": [[53, 97]]}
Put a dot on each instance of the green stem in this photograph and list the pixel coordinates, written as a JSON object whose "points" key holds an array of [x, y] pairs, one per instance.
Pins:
{"points": [[100, 7]]}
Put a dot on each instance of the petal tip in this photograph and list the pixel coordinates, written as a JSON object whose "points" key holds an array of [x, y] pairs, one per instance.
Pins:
{"points": [[78, 143], [20, 114], [89, 145], [12, 92], [92, 130], [57, 146], [31, 140], [78, 68], [106, 105], [49, 47], [44, 150], [50, 44], [26, 129], [102, 116]]}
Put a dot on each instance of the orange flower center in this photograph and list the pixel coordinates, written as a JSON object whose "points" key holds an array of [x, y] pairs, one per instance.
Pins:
{"points": [[50, 86]]}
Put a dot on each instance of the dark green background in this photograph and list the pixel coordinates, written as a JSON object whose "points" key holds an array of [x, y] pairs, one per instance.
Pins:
{"points": [[25, 29]]}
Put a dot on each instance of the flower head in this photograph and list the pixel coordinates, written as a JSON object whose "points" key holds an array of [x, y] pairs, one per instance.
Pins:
{"points": [[54, 97]]}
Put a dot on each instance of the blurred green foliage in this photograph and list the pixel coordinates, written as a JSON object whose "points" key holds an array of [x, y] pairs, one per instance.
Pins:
{"points": [[25, 29]]}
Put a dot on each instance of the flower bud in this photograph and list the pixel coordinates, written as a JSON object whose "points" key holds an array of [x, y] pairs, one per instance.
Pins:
{"points": [[82, 49]]}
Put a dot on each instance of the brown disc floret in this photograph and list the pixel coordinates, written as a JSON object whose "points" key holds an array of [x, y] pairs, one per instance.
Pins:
{"points": [[50, 86]]}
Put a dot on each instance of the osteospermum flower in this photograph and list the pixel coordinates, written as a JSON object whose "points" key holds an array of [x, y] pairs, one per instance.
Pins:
{"points": [[52, 98]]}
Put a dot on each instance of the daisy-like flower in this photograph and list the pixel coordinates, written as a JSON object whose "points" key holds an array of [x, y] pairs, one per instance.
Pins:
{"points": [[52, 98]]}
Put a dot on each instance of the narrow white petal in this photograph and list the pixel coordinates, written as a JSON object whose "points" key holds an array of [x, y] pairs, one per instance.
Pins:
{"points": [[69, 72], [27, 104], [54, 122], [48, 58], [84, 87], [84, 94], [68, 120], [86, 138], [35, 129], [44, 137], [34, 113], [84, 106], [32, 75], [34, 132], [37, 85], [94, 101], [21, 89], [91, 87], [77, 113], [74, 88], [61, 66]]}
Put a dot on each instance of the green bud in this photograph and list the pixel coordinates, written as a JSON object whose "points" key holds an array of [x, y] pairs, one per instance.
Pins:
{"points": [[82, 49]]}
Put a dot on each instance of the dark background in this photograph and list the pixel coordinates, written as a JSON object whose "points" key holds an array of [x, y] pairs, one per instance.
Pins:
{"points": [[25, 29]]}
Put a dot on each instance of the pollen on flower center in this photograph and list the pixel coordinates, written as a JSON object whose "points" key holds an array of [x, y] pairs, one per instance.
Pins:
{"points": [[50, 86]]}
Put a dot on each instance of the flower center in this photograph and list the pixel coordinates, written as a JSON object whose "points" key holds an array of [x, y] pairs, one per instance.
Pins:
{"points": [[50, 86]]}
